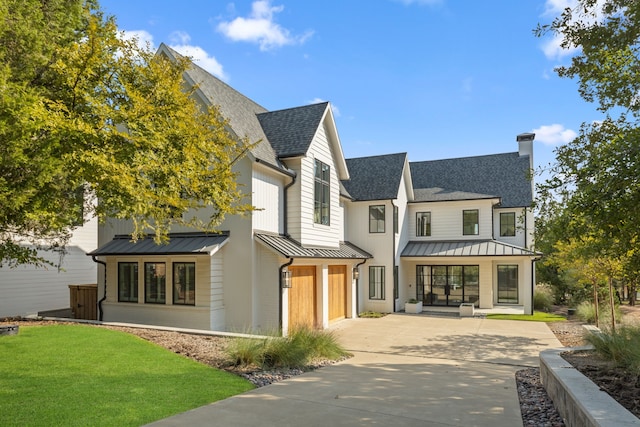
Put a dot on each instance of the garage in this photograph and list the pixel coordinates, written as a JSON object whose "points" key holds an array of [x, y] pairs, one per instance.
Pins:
{"points": [[302, 296], [337, 292]]}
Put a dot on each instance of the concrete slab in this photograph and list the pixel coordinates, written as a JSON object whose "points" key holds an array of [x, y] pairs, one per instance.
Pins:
{"points": [[413, 370]]}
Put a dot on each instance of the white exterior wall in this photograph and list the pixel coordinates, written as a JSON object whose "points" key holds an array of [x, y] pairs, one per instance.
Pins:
{"points": [[267, 290], [198, 316], [267, 199], [301, 198], [446, 219], [522, 227], [27, 290]]}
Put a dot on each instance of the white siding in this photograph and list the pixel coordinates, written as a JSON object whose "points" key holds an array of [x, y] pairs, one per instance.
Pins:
{"points": [[267, 199], [216, 296], [521, 227], [267, 290], [446, 219], [27, 290]]}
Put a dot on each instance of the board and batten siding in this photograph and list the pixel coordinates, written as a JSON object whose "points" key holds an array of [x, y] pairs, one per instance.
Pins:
{"points": [[267, 199], [266, 289], [301, 198], [216, 293], [446, 219], [27, 290]]}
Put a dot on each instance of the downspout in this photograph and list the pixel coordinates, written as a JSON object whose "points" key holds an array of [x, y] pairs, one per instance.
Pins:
{"points": [[357, 287], [285, 200], [393, 254], [280, 270], [104, 297]]}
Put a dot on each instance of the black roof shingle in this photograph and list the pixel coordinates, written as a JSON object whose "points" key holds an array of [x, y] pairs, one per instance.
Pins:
{"points": [[376, 177]]}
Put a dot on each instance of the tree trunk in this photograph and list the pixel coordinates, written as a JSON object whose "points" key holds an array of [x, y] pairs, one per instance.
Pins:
{"points": [[596, 304]]}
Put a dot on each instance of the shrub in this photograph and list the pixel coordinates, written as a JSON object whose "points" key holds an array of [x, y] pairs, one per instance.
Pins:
{"points": [[302, 346], [622, 346], [543, 298], [587, 313]]}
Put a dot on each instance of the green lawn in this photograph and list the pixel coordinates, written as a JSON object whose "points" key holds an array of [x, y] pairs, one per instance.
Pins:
{"points": [[77, 375], [538, 316]]}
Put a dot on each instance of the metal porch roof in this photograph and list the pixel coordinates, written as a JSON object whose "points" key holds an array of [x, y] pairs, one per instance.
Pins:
{"points": [[466, 248], [289, 248], [179, 244]]}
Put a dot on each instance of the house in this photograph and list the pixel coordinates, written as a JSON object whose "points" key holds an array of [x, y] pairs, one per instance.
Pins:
{"points": [[331, 236], [26, 290]]}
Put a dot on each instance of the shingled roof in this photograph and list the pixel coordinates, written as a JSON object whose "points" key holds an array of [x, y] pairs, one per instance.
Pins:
{"points": [[239, 110], [498, 175], [291, 131], [376, 177]]}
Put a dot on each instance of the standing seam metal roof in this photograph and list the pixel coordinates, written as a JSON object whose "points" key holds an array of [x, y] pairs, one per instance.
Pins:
{"points": [[466, 248], [289, 248], [179, 244]]}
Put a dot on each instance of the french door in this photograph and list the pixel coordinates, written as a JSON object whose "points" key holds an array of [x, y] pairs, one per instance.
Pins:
{"points": [[448, 285]]}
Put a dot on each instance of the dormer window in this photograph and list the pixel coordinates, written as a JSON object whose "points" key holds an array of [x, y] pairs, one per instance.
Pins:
{"points": [[321, 196]]}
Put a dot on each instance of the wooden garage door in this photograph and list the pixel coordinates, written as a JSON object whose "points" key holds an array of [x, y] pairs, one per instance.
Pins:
{"points": [[337, 292], [302, 296]]}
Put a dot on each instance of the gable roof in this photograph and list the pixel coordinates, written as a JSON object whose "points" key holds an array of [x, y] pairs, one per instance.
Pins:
{"points": [[239, 110], [376, 177], [498, 175], [291, 131]]}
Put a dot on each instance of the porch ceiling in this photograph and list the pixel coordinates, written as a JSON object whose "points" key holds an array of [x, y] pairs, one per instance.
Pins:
{"points": [[289, 248], [468, 248], [179, 244]]}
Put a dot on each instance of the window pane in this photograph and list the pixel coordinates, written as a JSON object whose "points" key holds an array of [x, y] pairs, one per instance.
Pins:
{"points": [[470, 222], [507, 224], [423, 224], [128, 281], [322, 194], [376, 219], [184, 283], [376, 282], [154, 282], [508, 284]]}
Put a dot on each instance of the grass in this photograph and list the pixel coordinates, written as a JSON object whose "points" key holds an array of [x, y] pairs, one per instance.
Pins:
{"points": [[77, 375], [622, 346], [297, 350], [538, 316]]}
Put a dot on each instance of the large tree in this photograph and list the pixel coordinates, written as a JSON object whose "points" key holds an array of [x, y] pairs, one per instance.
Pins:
{"points": [[597, 176], [85, 115]]}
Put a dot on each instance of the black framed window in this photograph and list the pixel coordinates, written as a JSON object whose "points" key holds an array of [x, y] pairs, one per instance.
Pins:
{"points": [[423, 224], [507, 224], [127, 282], [395, 219], [448, 285], [508, 284], [155, 279], [184, 283], [376, 282], [322, 199], [470, 223], [376, 219]]}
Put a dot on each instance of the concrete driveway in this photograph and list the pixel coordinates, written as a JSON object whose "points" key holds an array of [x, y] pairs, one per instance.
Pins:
{"points": [[410, 370]]}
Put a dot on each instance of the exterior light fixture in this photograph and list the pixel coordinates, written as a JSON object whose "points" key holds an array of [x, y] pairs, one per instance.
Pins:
{"points": [[286, 279], [356, 273]]}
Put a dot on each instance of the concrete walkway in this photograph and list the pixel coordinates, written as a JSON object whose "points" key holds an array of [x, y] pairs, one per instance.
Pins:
{"points": [[410, 370]]}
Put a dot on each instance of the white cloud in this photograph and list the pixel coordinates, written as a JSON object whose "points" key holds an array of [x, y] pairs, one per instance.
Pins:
{"points": [[335, 110], [260, 28], [554, 134], [180, 42]]}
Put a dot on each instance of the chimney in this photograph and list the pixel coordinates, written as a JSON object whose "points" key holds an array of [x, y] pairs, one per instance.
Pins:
{"points": [[525, 146]]}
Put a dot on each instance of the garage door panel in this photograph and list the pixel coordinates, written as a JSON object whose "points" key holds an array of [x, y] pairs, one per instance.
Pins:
{"points": [[302, 296], [337, 292]]}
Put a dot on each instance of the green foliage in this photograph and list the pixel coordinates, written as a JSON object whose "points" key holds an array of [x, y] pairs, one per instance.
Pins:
{"points": [[83, 108], [297, 350], [371, 314], [622, 346], [122, 379], [586, 312], [538, 316], [542, 298]]}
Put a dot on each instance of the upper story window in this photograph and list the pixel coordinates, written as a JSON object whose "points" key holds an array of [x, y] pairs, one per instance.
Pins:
{"points": [[470, 225], [395, 219], [376, 219], [507, 224], [423, 224], [321, 196]]}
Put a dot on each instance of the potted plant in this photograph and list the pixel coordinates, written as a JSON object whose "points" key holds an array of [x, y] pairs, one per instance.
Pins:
{"points": [[413, 306]]}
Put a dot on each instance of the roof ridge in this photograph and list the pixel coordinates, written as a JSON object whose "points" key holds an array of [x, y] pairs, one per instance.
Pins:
{"points": [[465, 157]]}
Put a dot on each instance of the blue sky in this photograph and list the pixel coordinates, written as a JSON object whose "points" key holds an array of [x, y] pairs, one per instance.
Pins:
{"points": [[434, 78]]}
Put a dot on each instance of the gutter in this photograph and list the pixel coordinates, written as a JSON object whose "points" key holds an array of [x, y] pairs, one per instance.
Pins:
{"points": [[104, 297], [280, 270]]}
